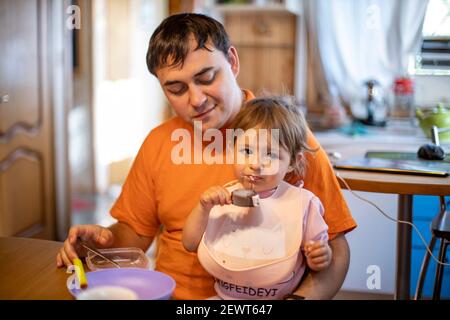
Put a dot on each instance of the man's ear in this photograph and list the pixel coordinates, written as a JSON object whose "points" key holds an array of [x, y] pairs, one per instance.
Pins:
{"points": [[233, 59]]}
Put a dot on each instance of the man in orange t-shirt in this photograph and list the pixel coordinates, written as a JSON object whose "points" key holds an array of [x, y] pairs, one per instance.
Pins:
{"points": [[192, 58]]}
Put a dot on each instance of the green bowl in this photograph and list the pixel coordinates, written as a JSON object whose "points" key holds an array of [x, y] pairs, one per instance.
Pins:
{"points": [[439, 117]]}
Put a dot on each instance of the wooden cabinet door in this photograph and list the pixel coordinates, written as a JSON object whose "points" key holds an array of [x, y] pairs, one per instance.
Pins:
{"points": [[266, 49], [267, 69], [26, 154]]}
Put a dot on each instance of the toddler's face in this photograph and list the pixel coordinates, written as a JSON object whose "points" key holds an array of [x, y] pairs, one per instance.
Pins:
{"points": [[260, 162]]}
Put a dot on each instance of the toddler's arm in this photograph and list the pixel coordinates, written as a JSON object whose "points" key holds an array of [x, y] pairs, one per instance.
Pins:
{"points": [[198, 218]]}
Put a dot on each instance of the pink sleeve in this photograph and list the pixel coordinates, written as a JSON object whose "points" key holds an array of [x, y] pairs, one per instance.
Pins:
{"points": [[314, 226]]}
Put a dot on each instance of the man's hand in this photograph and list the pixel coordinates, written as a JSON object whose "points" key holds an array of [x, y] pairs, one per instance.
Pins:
{"points": [[318, 255], [97, 235]]}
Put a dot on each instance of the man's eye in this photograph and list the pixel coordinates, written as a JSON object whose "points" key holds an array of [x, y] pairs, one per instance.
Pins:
{"points": [[177, 90], [207, 78]]}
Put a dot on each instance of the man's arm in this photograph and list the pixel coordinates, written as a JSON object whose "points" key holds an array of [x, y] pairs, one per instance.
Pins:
{"points": [[325, 284], [125, 236]]}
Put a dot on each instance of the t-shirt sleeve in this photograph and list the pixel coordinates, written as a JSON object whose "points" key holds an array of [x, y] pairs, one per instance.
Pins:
{"points": [[136, 205], [321, 180], [314, 226]]}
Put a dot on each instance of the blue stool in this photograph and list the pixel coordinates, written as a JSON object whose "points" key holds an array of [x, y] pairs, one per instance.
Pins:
{"points": [[440, 229]]}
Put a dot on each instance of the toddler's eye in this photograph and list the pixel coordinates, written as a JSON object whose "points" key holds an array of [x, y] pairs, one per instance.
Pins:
{"points": [[246, 151], [272, 155]]}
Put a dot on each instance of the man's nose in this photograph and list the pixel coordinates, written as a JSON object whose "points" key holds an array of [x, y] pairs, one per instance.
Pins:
{"points": [[196, 97]]}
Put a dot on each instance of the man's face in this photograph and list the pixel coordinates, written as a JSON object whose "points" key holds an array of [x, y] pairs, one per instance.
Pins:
{"points": [[204, 88]]}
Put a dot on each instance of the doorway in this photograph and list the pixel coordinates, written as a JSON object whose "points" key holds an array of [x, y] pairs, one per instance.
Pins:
{"points": [[116, 101]]}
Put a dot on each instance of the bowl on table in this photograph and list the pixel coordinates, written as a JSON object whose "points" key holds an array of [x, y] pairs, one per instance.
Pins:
{"points": [[106, 284]]}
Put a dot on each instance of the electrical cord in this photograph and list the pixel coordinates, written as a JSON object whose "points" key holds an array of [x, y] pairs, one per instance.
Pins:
{"points": [[394, 220]]}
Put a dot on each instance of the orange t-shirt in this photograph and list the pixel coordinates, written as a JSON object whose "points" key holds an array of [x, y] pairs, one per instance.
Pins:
{"points": [[158, 192]]}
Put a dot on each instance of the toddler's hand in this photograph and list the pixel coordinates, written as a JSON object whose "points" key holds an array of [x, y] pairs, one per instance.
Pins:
{"points": [[318, 255], [215, 196]]}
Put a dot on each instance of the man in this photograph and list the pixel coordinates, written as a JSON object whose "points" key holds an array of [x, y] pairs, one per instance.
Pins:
{"points": [[192, 58]]}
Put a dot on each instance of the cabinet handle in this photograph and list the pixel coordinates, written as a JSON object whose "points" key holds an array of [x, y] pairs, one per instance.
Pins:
{"points": [[4, 99]]}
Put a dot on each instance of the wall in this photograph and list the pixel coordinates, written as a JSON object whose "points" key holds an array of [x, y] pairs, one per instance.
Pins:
{"points": [[372, 243], [431, 89], [128, 100]]}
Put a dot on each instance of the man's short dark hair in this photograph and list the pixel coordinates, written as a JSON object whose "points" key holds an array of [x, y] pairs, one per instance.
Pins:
{"points": [[171, 39]]}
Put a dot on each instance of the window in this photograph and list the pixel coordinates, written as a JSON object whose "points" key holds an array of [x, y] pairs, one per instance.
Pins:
{"points": [[437, 19], [435, 50]]}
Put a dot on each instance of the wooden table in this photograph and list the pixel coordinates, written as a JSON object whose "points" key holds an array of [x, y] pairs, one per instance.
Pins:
{"points": [[405, 186], [28, 270]]}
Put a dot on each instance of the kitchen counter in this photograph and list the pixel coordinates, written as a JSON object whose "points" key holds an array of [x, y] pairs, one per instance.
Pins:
{"points": [[396, 136]]}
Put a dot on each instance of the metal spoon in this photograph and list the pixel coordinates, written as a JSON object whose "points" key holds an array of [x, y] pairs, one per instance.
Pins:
{"points": [[98, 253]]}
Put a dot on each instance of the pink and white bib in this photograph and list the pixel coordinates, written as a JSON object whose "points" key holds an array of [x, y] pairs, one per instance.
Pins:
{"points": [[255, 253]]}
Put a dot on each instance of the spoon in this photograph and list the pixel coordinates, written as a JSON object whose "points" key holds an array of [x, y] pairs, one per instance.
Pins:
{"points": [[98, 253]]}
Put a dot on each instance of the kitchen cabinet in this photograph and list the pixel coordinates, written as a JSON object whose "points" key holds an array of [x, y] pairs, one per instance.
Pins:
{"points": [[265, 37], [266, 46]]}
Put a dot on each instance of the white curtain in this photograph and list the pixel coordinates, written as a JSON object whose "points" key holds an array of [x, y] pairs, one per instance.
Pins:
{"points": [[351, 41]]}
